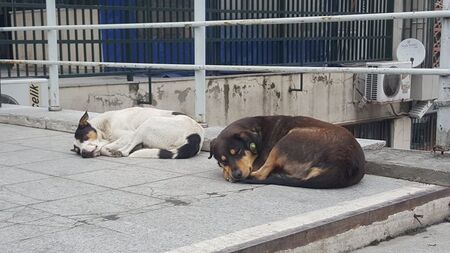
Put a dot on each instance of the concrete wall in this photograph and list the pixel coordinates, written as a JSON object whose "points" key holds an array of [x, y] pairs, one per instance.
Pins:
{"points": [[329, 97], [401, 133]]}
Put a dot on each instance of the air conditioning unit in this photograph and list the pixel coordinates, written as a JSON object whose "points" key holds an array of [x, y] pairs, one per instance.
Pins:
{"points": [[31, 92], [385, 88]]}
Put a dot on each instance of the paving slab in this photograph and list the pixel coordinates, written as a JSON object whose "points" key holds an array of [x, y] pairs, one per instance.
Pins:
{"points": [[419, 166], [151, 205]]}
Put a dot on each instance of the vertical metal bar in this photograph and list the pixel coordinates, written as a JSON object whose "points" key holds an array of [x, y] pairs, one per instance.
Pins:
{"points": [[92, 43], [61, 68], [200, 75], [33, 23], [129, 52], [68, 43], [42, 38], [8, 36], [52, 37], [83, 21], [25, 43], [77, 50], [14, 23], [178, 42]]}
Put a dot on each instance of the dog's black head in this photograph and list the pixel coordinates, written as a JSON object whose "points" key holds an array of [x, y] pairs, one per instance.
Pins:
{"points": [[235, 150], [86, 141]]}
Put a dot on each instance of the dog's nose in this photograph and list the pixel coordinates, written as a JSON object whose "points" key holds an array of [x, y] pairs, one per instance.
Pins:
{"points": [[237, 174], [86, 154]]}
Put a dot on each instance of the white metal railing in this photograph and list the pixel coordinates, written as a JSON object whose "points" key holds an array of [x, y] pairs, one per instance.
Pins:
{"points": [[263, 21], [241, 68], [199, 24]]}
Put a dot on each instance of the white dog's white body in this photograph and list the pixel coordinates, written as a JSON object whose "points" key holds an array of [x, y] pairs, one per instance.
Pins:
{"points": [[157, 133]]}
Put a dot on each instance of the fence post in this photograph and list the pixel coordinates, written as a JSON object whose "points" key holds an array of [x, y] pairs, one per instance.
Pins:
{"points": [[52, 37], [443, 117], [200, 59]]}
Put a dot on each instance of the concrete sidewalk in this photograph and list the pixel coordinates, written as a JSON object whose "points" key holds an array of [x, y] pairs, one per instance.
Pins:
{"points": [[54, 201], [432, 239]]}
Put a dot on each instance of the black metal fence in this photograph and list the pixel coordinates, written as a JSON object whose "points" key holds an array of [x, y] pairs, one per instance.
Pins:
{"points": [[423, 132], [296, 44], [377, 130], [421, 29]]}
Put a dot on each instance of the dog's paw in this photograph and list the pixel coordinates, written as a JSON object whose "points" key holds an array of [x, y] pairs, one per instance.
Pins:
{"points": [[229, 179], [257, 175], [114, 153]]}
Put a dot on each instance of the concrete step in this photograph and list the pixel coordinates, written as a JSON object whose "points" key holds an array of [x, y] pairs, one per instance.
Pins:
{"points": [[419, 166], [343, 227]]}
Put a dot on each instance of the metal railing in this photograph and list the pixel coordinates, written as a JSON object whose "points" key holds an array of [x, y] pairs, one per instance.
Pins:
{"points": [[199, 24]]}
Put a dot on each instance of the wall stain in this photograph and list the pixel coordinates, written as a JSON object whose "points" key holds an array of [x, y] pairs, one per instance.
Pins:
{"points": [[213, 89], [226, 97], [133, 88], [182, 94], [109, 100], [322, 78], [237, 90], [144, 97], [160, 92]]}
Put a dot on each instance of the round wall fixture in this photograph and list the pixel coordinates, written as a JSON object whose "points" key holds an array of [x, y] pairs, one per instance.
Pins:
{"points": [[411, 50]]}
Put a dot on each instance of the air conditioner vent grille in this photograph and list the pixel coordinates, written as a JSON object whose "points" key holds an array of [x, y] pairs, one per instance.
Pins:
{"points": [[381, 88]]}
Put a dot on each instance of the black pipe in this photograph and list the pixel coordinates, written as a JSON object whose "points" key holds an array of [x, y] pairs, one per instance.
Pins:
{"points": [[301, 85], [150, 96]]}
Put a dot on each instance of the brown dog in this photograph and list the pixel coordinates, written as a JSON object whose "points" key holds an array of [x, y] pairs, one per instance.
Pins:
{"points": [[284, 150]]}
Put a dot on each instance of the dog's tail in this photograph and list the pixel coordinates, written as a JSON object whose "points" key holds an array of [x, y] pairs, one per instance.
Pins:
{"points": [[190, 149]]}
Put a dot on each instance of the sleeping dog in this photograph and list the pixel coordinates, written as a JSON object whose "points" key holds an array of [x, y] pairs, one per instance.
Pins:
{"points": [[139, 132], [295, 151]]}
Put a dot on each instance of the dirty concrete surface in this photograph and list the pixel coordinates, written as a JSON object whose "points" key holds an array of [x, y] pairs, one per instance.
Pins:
{"points": [[433, 239], [52, 200]]}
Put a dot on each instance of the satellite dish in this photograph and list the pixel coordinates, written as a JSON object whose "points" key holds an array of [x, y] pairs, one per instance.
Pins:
{"points": [[411, 50]]}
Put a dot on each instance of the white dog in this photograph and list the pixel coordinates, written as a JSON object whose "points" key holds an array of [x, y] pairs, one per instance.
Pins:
{"points": [[139, 132]]}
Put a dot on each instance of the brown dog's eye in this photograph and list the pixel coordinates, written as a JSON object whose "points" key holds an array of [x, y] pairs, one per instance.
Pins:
{"points": [[232, 151], [223, 158], [253, 147]]}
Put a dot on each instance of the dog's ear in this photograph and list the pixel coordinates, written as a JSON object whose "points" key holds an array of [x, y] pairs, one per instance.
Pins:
{"points": [[75, 149], [84, 120], [251, 138], [212, 145]]}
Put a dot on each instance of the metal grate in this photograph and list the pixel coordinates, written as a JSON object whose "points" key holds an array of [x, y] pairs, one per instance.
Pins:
{"points": [[423, 132], [294, 44], [421, 29], [377, 130]]}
